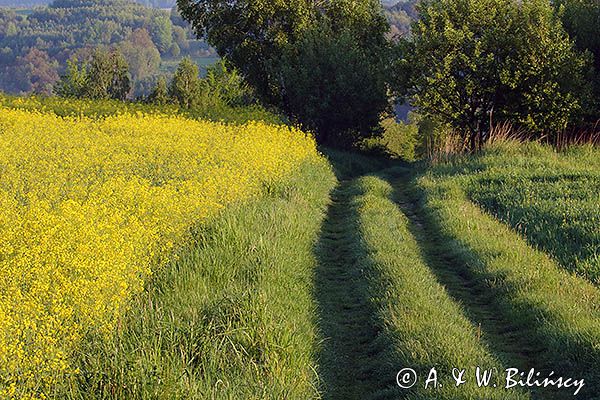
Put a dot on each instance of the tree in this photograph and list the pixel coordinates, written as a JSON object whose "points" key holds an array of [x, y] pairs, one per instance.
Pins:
{"points": [[335, 88], [35, 72], [161, 30], [73, 83], [251, 35], [160, 94], [105, 75], [581, 19], [180, 38], [185, 86], [225, 85], [120, 84], [475, 62], [175, 50], [141, 54], [264, 40]]}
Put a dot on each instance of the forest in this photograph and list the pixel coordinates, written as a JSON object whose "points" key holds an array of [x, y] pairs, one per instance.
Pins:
{"points": [[35, 48]]}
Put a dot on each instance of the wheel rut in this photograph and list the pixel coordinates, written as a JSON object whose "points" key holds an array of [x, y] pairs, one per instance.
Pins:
{"points": [[350, 349], [514, 348]]}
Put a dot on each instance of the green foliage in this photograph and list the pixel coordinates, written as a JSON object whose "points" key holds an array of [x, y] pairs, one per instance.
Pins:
{"points": [[104, 76], [73, 83], [290, 49], [185, 86], [162, 32], [334, 87], [227, 85], [581, 19], [141, 54], [477, 61], [69, 28], [160, 94], [398, 140], [252, 35]]}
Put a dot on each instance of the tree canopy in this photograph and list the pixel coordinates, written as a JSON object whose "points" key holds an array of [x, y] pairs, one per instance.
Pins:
{"points": [[265, 39], [476, 62]]}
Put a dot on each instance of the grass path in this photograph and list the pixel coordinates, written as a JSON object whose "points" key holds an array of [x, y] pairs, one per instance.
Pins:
{"points": [[382, 309], [346, 312]]}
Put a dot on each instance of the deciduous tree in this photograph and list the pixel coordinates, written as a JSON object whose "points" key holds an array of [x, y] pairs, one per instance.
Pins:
{"points": [[474, 62]]}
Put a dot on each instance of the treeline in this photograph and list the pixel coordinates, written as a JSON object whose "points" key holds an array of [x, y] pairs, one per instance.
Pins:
{"points": [[106, 75], [34, 3], [467, 66], [34, 48]]}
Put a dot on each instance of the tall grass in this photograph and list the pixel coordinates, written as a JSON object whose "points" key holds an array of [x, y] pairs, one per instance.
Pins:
{"points": [[232, 318]]}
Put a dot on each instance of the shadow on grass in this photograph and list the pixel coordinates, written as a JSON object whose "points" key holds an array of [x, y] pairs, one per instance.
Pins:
{"points": [[486, 300], [350, 359]]}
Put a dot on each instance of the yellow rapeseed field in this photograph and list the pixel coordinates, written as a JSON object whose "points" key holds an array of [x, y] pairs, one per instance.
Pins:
{"points": [[90, 207]]}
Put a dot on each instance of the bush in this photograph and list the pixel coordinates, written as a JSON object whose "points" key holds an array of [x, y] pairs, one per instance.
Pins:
{"points": [[475, 62], [398, 140]]}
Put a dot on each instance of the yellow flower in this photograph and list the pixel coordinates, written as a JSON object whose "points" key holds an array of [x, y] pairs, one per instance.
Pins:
{"points": [[90, 207]]}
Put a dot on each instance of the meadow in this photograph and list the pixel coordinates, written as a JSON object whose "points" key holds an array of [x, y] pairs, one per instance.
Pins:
{"points": [[145, 255]]}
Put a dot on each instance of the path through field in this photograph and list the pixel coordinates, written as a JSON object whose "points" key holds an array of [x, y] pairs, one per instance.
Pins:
{"points": [[346, 312], [355, 361]]}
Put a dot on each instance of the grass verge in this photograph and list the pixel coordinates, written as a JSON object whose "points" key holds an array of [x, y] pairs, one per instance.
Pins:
{"points": [[551, 309], [233, 317]]}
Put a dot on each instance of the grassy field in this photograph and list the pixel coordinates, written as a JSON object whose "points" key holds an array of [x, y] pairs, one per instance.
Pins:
{"points": [[146, 255], [548, 317], [551, 199]]}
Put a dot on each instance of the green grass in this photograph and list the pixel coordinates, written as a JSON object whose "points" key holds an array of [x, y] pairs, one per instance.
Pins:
{"points": [[385, 309], [552, 199], [553, 314], [233, 317]]}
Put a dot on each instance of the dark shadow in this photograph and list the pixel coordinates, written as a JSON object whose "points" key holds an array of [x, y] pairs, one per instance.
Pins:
{"points": [[352, 356], [352, 164]]}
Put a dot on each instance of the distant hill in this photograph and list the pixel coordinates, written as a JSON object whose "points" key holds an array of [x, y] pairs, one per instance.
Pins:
{"points": [[23, 3], [35, 46], [151, 3]]}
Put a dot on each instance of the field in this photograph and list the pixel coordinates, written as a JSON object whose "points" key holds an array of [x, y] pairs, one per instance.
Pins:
{"points": [[92, 207], [149, 255]]}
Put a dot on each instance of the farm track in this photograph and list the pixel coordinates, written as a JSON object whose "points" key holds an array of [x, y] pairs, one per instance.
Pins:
{"points": [[346, 315], [513, 348], [351, 365]]}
